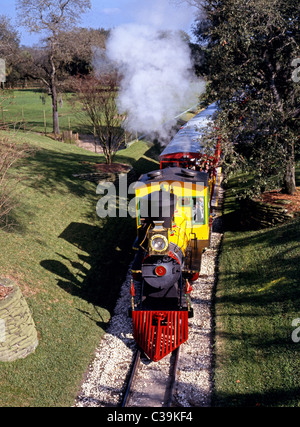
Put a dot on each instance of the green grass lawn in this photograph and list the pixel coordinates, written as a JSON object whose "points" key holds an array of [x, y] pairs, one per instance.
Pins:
{"points": [[31, 109], [69, 264], [257, 299]]}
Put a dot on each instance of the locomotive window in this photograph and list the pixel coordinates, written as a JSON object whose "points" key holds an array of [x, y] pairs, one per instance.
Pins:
{"points": [[198, 210]]}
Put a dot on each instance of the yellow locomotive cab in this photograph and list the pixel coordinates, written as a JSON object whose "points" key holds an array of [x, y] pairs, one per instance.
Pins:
{"points": [[188, 227]]}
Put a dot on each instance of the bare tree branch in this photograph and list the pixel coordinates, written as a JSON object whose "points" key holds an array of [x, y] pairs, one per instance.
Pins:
{"points": [[52, 16], [98, 98]]}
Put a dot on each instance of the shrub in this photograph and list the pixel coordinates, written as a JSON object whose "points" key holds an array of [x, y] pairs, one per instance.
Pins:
{"points": [[10, 154]]}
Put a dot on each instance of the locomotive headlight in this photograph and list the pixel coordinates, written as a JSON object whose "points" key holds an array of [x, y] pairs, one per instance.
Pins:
{"points": [[158, 243]]}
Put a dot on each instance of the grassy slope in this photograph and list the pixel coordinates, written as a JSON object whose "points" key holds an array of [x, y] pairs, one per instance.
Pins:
{"points": [[64, 258], [257, 362]]}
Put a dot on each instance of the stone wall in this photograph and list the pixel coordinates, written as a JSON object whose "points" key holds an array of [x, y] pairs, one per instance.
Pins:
{"points": [[18, 335]]}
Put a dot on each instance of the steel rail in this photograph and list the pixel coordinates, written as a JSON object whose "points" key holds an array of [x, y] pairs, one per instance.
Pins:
{"points": [[134, 370], [175, 356], [170, 383]]}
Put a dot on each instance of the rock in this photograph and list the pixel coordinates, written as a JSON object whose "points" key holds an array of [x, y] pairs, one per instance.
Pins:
{"points": [[18, 335]]}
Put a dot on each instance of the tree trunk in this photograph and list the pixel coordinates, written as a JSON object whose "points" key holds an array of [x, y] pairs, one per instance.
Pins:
{"points": [[108, 158], [56, 130], [54, 94], [289, 184]]}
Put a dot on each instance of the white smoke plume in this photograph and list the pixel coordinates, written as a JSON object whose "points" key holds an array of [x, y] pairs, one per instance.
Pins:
{"points": [[155, 62]]}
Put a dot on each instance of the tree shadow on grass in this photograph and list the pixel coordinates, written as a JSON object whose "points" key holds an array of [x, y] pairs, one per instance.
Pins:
{"points": [[275, 274], [98, 275], [271, 398], [53, 171], [259, 284]]}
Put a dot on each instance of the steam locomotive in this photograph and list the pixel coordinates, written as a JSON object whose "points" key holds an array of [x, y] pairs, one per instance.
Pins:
{"points": [[173, 207]]}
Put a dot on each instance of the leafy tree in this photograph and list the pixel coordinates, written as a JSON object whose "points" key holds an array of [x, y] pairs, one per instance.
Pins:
{"points": [[9, 46], [76, 54], [52, 17], [82, 44], [252, 45]]}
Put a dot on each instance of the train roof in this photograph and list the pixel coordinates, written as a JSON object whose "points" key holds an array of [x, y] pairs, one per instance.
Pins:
{"points": [[187, 140], [175, 174]]}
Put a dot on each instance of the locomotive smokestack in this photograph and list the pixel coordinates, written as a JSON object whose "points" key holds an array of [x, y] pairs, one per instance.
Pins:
{"points": [[158, 226]]}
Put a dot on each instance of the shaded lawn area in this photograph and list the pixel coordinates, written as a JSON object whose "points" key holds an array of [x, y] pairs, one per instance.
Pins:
{"points": [[69, 264], [257, 299]]}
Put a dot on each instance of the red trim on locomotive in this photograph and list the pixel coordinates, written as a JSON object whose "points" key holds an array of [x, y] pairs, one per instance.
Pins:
{"points": [[158, 333], [171, 255]]}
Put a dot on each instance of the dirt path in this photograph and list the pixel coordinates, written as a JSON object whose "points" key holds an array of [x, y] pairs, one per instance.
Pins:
{"points": [[88, 143]]}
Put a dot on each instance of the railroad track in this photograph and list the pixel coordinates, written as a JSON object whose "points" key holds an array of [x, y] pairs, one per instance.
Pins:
{"points": [[151, 384]]}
